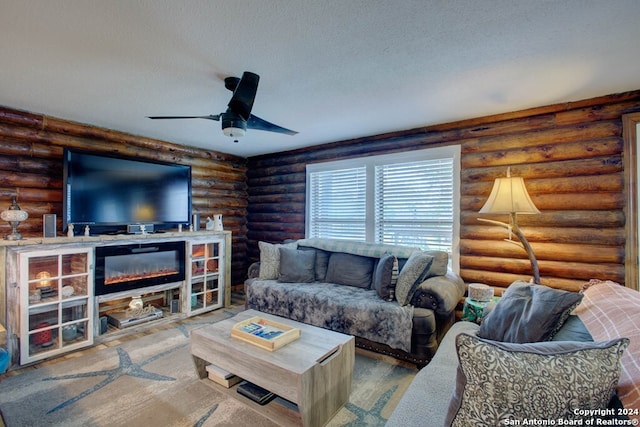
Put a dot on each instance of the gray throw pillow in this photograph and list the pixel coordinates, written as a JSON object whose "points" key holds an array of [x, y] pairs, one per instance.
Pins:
{"points": [[439, 265], [498, 382], [412, 274], [573, 330], [528, 313], [351, 270], [322, 261], [297, 266], [382, 277]]}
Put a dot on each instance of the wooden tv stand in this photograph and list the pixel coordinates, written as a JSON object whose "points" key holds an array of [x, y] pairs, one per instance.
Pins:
{"points": [[50, 314]]}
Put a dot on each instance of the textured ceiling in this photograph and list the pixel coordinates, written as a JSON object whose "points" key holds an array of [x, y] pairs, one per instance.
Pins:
{"points": [[330, 69]]}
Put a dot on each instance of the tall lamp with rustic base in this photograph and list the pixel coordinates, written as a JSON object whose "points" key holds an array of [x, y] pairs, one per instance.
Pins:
{"points": [[509, 196]]}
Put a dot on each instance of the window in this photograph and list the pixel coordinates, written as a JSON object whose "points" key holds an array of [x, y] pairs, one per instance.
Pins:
{"points": [[338, 203], [406, 199]]}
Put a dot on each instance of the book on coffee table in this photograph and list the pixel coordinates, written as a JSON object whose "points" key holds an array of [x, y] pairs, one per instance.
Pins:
{"points": [[265, 333], [258, 394], [221, 376]]}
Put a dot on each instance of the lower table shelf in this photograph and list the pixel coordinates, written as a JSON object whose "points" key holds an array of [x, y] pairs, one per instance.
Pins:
{"points": [[279, 410]]}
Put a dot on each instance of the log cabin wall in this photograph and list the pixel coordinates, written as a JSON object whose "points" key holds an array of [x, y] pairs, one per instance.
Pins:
{"points": [[31, 147], [570, 156]]}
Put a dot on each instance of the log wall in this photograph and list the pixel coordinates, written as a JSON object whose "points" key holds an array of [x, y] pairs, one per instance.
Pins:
{"points": [[570, 155], [31, 147]]}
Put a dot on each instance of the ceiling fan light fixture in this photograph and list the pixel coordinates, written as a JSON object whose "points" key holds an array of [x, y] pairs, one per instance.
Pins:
{"points": [[233, 125], [234, 132]]}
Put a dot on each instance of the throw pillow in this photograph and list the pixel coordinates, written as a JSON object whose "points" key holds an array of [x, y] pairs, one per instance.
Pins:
{"points": [[395, 271], [297, 266], [528, 313], [270, 259], [382, 277], [412, 274], [322, 261], [610, 310], [351, 270], [439, 265], [500, 382]]}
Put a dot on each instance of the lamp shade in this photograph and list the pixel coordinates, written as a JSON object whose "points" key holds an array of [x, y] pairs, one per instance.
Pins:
{"points": [[509, 195]]}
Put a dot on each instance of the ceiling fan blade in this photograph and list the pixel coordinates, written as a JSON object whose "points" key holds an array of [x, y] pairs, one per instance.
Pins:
{"points": [[242, 100], [215, 117], [257, 123]]}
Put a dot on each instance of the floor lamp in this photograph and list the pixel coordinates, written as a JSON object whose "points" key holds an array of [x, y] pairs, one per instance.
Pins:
{"points": [[509, 196]]}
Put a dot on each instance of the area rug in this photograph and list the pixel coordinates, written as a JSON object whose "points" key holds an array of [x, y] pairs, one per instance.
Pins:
{"points": [[151, 381]]}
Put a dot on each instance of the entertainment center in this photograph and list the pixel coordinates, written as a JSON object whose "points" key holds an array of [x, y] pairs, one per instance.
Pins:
{"points": [[66, 293]]}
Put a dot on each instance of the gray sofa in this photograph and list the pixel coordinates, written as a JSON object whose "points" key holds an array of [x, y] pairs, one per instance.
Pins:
{"points": [[436, 395], [429, 394], [395, 300]]}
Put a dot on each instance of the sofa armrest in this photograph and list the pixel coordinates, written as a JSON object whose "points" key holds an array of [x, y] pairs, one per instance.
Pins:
{"points": [[439, 293], [254, 270]]}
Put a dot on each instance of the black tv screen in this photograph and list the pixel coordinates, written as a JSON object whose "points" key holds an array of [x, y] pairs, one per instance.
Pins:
{"points": [[108, 193]]}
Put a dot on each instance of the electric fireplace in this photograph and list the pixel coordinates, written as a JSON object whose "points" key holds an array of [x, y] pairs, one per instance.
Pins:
{"points": [[130, 267]]}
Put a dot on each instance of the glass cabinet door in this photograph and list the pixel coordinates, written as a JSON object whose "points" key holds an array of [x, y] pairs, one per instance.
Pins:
{"points": [[57, 290], [206, 290]]}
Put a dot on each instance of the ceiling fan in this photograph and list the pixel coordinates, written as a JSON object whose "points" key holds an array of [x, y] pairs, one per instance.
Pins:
{"points": [[238, 118]]}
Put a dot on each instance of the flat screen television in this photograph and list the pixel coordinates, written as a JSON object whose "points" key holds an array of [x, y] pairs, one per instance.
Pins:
{"points": [[108, 193]]}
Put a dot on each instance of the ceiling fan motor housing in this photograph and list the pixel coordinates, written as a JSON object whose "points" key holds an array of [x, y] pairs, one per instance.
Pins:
{"points": [[233, 125]]}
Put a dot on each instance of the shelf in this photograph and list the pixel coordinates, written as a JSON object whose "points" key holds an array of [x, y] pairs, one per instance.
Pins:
{"points": [[205, 284], [46, 306], [62, 271]]}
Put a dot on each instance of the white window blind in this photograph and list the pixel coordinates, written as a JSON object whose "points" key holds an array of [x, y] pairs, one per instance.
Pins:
{"points": [[414, 204], [408, 198], [337, 203]]}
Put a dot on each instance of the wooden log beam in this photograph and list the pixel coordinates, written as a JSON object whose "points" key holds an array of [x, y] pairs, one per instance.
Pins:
{"points": [[556, 269], [612, 182], [546, 138], [544, 251], [573, 235], [539, 154], [584, 201], [560, 218], [503, 280], [560, 169]]}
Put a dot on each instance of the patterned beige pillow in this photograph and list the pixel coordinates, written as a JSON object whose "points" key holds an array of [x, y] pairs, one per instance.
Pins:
{"points": [[270, 259], [550, 380]]}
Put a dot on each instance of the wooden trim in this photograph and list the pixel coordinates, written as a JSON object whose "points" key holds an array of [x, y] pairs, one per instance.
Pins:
{"points": [[630, 158]]}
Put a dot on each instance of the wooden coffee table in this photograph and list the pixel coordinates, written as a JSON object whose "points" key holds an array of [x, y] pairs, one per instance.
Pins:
{"points": [[313, 372]]}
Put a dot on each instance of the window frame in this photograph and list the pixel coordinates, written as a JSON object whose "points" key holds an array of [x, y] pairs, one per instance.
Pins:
{"points": [[370, 163]]}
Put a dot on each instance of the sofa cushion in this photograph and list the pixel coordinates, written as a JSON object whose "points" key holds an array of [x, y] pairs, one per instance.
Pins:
{"points": [[573, 330], [610, 310], [322, 261], [351, 270], [411, 275], [270, 259], [545, 381], [345, 309], [297, 266], [382, 277], [528, 313]]}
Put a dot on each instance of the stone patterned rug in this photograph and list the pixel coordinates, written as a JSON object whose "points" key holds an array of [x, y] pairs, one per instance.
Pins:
{"points": [[151, 381]]}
